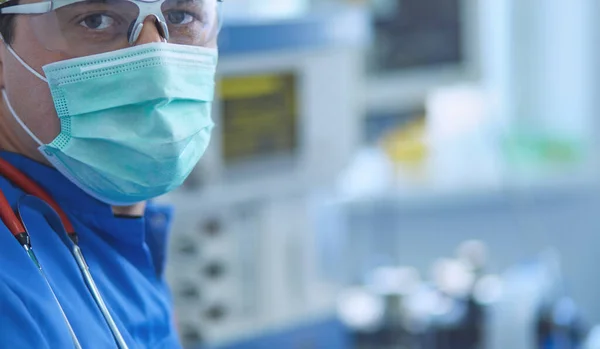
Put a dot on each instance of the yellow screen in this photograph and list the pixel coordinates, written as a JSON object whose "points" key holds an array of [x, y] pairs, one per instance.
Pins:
{"points": [[259, 116]]}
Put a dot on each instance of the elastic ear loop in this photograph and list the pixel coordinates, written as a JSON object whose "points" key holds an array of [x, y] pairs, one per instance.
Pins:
{"points": [[25, 65], [14, 114], [5, 95]]}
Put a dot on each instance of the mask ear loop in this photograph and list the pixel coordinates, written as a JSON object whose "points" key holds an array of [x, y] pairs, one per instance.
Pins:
{"points": [[25, 65], [18, 119], [5, 95]]}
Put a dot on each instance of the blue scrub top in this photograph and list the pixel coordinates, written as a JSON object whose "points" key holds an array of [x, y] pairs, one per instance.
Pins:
{"points": [[126, 256]]}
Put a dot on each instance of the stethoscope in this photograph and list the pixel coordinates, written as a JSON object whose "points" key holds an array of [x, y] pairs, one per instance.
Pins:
{"points": [[40, 201]]}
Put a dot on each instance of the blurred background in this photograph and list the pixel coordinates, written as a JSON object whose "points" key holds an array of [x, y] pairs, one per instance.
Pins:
{"points": [[396, 174]]}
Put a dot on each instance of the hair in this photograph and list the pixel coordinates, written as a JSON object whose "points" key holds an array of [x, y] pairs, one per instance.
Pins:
{"points": [[7, 23]]}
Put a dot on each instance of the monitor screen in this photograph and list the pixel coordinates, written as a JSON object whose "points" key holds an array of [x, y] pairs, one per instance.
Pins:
{"points": [[259, 116], [416, 33]]}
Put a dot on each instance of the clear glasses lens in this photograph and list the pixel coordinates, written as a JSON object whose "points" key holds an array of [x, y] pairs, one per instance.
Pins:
{"points": [[91, 27], [191, 22]]}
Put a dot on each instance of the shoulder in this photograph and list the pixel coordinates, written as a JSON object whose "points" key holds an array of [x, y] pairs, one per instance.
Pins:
{"points": [[18, 327], [11, 192], [29, 317], [15, 265], [22, 323]]}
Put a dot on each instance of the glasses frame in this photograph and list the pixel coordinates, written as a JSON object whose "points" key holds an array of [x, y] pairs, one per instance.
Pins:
{"points": [[147, 8]]}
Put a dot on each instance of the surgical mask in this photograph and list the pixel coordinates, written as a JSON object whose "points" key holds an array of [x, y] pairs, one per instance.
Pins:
{"points": [[134, 122]]}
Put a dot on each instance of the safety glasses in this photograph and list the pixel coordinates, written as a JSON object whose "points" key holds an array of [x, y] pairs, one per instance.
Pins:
{"points": [[86, 27]]}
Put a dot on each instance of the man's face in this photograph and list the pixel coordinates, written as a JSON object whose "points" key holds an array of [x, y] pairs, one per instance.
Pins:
{"points": [[30, 96]]}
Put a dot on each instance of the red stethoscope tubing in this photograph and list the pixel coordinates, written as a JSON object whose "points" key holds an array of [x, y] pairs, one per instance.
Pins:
{"points": [[17, 228], [19, 179]]}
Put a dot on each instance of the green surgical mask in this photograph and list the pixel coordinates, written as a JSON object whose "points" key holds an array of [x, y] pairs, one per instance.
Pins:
{"points": [[134, 122]]}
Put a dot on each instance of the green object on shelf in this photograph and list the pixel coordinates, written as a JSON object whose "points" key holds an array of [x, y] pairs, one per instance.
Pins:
{"points": [[539, 148]]}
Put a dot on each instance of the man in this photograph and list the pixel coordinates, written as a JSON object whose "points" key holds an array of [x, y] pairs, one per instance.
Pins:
{"points": [[105, 105]]}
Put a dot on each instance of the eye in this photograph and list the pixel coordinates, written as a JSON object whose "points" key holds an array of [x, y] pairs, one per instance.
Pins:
{"points": [[179, 17], [97, 21]]}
